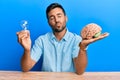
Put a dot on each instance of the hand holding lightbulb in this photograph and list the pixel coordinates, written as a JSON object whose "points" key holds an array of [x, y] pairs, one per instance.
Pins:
{"points": [[24, 35]]}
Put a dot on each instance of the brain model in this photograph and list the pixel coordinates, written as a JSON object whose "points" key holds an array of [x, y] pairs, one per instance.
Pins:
{"points": [[90, 31]]}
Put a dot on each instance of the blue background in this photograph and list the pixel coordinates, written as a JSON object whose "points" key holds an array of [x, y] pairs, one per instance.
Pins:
{"points": [[103, 55]]}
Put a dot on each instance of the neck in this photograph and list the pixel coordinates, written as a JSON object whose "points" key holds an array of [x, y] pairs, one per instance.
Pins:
{"points": [[60, 35]]}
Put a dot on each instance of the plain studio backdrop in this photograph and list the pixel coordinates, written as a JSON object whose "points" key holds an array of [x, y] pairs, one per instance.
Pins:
{"points": [[103, 55]]}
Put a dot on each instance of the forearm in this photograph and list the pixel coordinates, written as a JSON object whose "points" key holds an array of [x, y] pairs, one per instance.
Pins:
{"points": [[81, 61], [26, 61]]}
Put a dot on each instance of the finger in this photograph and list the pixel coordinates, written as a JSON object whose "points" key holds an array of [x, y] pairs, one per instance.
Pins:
{"points": [[28, 34], [17, 33], [20, 36], [100, 37], [23, 38], [105, 34], [23, 32]]}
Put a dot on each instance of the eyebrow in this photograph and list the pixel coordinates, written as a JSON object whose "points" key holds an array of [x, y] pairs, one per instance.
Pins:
{"points": [[57, 15]]}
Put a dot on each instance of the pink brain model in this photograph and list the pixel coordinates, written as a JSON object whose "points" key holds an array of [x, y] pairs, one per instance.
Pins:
{"points": [[90, 31]]}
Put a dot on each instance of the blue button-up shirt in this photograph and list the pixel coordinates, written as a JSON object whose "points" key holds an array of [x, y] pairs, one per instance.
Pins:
{"points": [[57, 55]]}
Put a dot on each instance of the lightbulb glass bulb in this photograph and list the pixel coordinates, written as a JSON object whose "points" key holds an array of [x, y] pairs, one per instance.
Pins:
{"points": [[24, 24]]}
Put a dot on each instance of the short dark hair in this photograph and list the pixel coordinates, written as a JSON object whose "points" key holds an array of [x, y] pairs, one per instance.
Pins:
{"points": [[52, 6]]}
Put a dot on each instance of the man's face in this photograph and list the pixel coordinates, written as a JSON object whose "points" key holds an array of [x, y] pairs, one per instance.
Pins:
{"points": [[57, 19]]}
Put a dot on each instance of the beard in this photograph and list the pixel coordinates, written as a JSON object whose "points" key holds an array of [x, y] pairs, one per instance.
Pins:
{"points": [[59, 30]]}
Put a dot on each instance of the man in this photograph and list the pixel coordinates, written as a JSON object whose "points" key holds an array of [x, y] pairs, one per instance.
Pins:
{"points": [[62, 50]]}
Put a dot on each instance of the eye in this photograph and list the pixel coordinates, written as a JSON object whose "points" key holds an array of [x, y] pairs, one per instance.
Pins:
{"points": [[59, 15], [51, 18]]}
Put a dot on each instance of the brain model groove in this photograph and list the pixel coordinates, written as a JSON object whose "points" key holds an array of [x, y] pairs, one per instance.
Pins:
{"points": [[90, 31]]}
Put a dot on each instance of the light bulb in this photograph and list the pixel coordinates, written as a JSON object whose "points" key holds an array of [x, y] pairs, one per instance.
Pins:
{"points": [[24, 24]]}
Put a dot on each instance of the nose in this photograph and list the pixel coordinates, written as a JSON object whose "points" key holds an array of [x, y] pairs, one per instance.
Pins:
{"points": [[56, 19]]}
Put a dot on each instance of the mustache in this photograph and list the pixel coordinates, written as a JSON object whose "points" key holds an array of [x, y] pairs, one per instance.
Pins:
{"points": [[57, 23]]}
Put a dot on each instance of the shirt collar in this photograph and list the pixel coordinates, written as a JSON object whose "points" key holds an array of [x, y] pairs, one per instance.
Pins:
{"points": [[65, 37]]}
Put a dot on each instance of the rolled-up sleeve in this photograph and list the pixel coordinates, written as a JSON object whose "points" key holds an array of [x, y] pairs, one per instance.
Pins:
{"points": [[36, 50], [76, 47]]}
